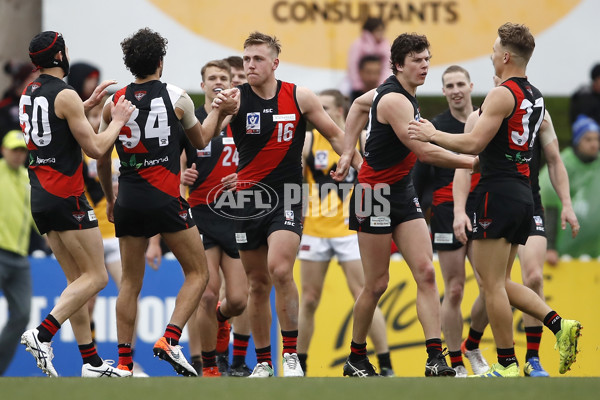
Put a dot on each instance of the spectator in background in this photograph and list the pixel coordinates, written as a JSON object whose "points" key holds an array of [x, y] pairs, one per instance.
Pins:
{"points": [[84, 78], [238, 76], [370, 42], [370, 68], [21, 74], [583, 167], [586, 100], [15, 224]]}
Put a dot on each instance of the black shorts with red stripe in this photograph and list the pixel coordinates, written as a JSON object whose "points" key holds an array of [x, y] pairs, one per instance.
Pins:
{"points": [[173, 217], [503, 210], [381, 208], [69, 214]]}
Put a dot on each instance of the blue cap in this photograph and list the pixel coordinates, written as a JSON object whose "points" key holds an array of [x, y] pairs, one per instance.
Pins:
{"points": [[581, 126]]}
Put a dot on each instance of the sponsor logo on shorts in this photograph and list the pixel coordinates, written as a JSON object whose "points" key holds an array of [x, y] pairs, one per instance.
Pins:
{"points": [[443, 238], [539, 223], [183, 214], [253, 123], [380, 222], [360, 219], [91, 215], [289, 218], [79, 215], [240, 237], [139, 94], [485, 222], [305, 247], [417, 204]]}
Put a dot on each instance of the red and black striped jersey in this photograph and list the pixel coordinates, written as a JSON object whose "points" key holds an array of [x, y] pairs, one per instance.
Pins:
{"points": [[386, 159], [149, 146], [55, 159], [509, 152], [214, 162], [269, 135]]}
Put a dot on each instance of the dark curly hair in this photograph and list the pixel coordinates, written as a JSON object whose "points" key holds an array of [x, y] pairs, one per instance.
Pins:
{"points": [[143, 51], [405, 44]]}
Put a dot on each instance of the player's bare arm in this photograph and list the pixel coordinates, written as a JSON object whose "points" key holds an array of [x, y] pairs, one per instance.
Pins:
{"points": [[313, 111], [69, 106], [396, 110], [558, 174], [498, 105], [357, 118], [461, 185], [201, 134]]}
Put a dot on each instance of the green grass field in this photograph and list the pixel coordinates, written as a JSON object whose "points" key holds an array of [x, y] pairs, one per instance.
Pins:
{"points": [[300, 389]]}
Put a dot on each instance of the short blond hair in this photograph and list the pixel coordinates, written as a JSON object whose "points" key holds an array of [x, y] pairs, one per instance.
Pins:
{"points": [[256, 38], [517, 38]]}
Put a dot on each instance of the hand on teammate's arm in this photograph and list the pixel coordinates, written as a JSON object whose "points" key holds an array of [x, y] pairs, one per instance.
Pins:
{"points": [[97, 95], [421, 130]]}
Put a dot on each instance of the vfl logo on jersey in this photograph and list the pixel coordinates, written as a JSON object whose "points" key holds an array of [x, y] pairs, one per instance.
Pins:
{"points": [[205, 152], [253, 123], [183, 215], [485, 222], [79, 215], [35, 86], [321, 159], [139, 94], [417, 204]]}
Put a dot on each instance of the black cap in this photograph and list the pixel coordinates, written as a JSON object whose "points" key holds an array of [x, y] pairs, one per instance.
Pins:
{"points": [[44, 46]]}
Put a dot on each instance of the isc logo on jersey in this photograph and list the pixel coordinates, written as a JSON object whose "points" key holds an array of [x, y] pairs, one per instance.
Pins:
{"points": [[253, 123]]}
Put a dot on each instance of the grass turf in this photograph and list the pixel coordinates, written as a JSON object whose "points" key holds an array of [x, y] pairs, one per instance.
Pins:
{"points": [[301, 389]]}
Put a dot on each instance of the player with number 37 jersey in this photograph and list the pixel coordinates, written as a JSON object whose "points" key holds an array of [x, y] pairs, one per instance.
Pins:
{"points": [[509, 152]]}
